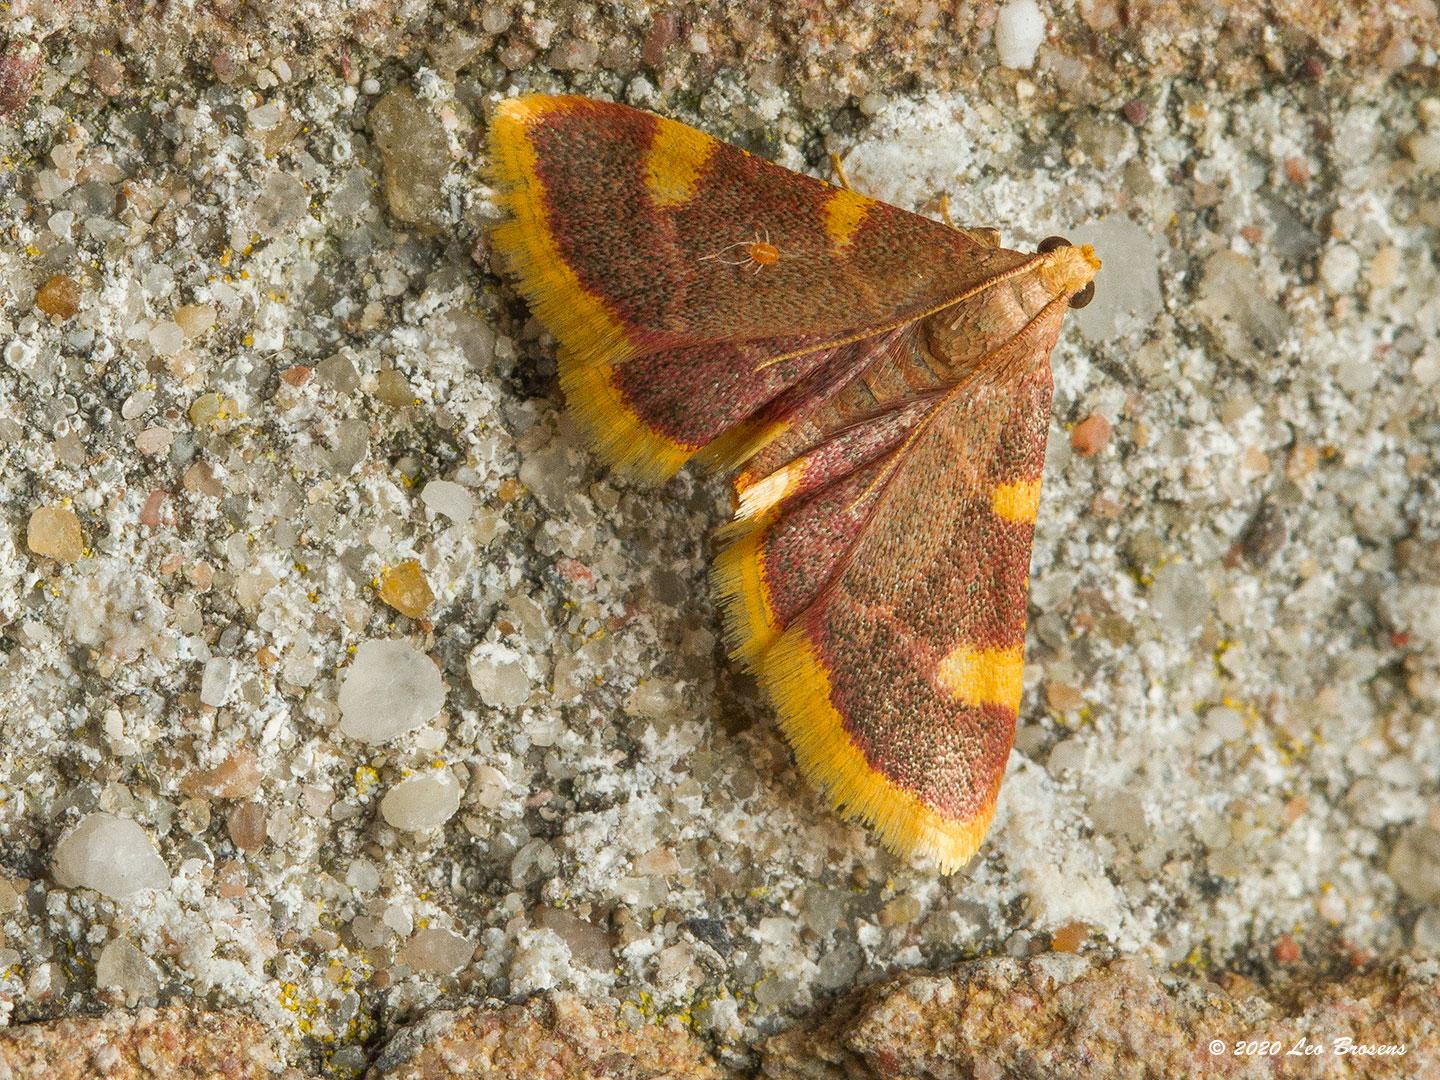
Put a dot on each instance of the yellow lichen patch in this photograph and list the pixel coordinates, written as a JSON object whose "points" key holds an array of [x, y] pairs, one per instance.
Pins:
{"points": [[405, 589], [983, 676], [844, 211], [829, 758], [1019, 501], [365, 779], [676, 159]]}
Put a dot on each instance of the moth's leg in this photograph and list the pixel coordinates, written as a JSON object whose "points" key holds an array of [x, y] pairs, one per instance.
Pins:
{"points": [[945, 209], [840, 171]]}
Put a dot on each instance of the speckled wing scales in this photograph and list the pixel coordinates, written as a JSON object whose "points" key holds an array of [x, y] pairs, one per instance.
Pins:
{"points": [[885, 612], [627, 233]]}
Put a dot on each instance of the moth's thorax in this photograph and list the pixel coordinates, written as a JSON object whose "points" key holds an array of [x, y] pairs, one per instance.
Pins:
{"points": [[964, 336]]}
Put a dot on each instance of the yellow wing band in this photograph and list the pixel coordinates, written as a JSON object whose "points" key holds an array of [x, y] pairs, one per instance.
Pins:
{"points": [[800, 689], [592, 340]]}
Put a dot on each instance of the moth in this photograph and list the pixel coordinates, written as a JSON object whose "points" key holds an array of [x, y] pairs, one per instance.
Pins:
{"points": [[878, 384]]}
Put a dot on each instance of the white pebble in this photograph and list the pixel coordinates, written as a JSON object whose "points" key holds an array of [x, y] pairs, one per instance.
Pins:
{"points": [[391, 688], [61, 222], [110, 854], [1427, 931], [872, 103], [1019, 32], [137, 404], [264, 117], [1424, 150], [421, 803], [1179, 599], [500, 675], [370, 86], [217, 681], [400, 918], [1426, 368], [166, 338], [362, 876], [1340, 268], [121, 966], [448, 498], [439, 952], [1224, 723], [1357, 374], [491, 788]]}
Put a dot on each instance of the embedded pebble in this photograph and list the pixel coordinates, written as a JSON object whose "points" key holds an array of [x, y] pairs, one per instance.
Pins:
{"points": [[1415, 863], [217, 680], [1424, 150], [416, 155], [1234, 305], [389, 689], [1091, 435], [588, 943], [54, 531], [448, 498], [1340, 268], [437, 952], [421, 803], [1127, 288], [282, 202], [500, 675], [1178, 598], [234, 778], [1426, 934], [166, 338], [248, 825], [121, 966], [110, 854], [195, 319], [59, 296], [1019, 33], [405, 589]]}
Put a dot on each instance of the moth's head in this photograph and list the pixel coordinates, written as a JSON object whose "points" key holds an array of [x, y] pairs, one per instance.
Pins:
{"points": [[1068, 270]]}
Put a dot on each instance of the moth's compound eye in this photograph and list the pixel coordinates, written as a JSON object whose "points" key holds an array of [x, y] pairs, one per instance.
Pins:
{"points": [[1050, 243], [1084, 296]]}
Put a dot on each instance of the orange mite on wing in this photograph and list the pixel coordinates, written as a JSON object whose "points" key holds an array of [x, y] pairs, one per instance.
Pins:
{"points": [[762, 253], [759, 252]]}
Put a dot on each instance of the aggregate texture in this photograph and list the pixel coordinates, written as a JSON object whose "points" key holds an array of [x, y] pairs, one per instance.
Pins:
{"points": [[339, 685]]}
